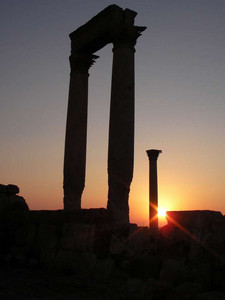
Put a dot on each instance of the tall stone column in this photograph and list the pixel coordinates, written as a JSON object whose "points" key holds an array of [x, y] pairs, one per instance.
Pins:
{"points": [[76, 130], [121, 127], [153, 189]]}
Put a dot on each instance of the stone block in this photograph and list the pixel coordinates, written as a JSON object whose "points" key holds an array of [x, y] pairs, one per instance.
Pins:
{"points": [[175, 272], [156, 289], [120, 234], [202, 274], [17, 203], [4, 206], [20, 234], [144, 267], [134, 289], [12, 189], [2, 233], [3, 189], [141, 242], [104, 269], [212, 295], [138, 289], [19, 254], [79, 237], [48, 242], [80, 264], [20, 217], [102, 240], [185, 291]]}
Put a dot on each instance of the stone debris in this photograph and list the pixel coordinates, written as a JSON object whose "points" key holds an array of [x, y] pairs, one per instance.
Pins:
{"points": [[10, 201], [121, 259]]}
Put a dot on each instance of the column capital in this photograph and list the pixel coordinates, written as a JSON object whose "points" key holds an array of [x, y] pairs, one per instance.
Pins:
{"points": [[81, 62], [126, 36], [153, 154]]}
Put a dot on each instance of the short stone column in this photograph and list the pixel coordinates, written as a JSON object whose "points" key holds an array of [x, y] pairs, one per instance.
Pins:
{"points": [[76, 130], [121, 127], [153, 189]]}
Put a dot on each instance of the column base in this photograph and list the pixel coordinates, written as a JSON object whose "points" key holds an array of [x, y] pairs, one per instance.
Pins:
{"points": [[72, 203], [118, 203]]}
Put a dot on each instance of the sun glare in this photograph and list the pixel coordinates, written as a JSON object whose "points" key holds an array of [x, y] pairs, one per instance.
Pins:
{"points": [[162, 212]]}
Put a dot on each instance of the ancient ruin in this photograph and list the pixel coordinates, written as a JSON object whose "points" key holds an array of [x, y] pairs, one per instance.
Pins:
{"points": [[85, 254], [112, 25], [153, 189]]}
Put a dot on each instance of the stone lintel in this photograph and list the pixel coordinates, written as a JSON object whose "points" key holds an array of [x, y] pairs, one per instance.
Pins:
{"points": [[101, 29]]}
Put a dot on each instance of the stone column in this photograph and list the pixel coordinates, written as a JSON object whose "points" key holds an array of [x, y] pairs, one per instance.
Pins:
{"points": [[121, 127], [153, 189], [76, 130]]}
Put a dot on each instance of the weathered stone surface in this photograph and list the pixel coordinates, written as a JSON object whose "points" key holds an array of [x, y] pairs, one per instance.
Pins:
{"points": [[104, 269], [4, 205], [134, 289], [196, 219], [185, 291], [20, 234], [141, 242], [196, 235], [79, 264], [175, 272], [12, 189], [109, 254], [156, 289], [18, 203], [3, 189], [144, 267], [84, 216], [48, 241], [102, 240], [78, 237], [202, 274], [9, 201], [19, 254], [120, 235], [213, 295]]}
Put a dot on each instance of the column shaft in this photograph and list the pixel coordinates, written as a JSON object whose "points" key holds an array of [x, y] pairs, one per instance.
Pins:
{"points": [[121, 133], [153, 189], [76, 131], [153, 195]]}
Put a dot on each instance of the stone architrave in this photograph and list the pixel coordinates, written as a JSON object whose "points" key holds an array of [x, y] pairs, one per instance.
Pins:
{"points": [[153, 189], [112, 25]]}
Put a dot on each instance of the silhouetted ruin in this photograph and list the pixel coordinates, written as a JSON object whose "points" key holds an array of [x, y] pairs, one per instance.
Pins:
{"points": [[153, 189], [96, 253], [112, 25]]}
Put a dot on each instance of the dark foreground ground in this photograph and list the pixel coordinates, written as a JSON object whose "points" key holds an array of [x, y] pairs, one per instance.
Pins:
{"points": [[29, 283], [83, 255]]}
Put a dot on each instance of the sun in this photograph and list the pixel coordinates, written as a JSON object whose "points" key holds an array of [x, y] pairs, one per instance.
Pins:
{"points": [[162, 212]]}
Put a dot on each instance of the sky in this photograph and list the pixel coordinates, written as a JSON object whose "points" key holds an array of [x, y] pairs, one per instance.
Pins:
{"points": [[179, 92]]}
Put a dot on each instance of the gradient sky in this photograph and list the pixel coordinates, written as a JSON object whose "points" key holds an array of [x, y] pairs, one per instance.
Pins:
{"points": [[180, 106]]}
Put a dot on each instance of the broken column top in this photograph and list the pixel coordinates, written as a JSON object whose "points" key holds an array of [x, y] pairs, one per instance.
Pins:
{"points": [[102, 28]]}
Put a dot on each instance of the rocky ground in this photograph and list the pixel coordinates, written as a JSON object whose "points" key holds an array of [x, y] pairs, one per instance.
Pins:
{"points": [[27, 283], [83, 255], [19, 282]]}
